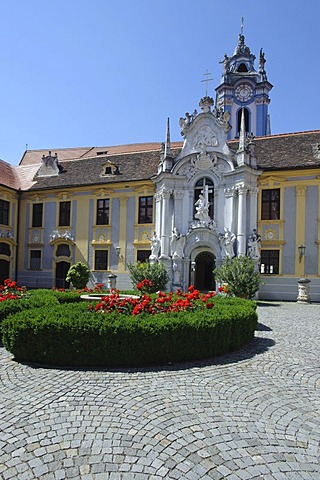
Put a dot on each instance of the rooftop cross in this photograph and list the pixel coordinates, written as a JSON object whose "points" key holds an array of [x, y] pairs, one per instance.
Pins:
{"points": [[207, 80]]}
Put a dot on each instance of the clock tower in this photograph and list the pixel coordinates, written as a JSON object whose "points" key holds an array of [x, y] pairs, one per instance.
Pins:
{"points": [[244, 87]]}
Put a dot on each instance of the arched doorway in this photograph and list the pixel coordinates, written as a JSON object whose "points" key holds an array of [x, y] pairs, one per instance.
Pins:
{"points": [[4, 270], [203, 275], [61, 273]]}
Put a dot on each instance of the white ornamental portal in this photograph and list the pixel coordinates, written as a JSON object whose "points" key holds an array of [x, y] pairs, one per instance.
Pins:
{"points": [[206, 199]]}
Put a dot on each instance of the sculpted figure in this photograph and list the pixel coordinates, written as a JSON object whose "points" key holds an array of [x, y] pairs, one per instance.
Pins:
{"points": [[202, 208], [155, 246], [227, 240], [254, 245], [177, 244]]}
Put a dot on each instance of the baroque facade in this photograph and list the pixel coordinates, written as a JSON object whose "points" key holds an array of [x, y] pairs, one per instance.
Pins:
{"points": [[230, 188]]}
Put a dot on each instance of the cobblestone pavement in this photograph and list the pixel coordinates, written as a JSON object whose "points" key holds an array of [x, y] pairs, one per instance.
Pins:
{"points": [[253, 414]]}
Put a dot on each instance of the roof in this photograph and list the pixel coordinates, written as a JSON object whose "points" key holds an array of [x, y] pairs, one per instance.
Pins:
{"points": [[83, 166], [287, 150]]}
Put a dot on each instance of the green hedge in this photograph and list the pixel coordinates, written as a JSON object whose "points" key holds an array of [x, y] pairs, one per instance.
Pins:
{"points": [[70, 335]]}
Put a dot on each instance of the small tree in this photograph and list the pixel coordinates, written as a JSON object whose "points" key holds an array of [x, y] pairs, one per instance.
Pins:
{"points": [[78, 274], [155, 273], [241, 275]]}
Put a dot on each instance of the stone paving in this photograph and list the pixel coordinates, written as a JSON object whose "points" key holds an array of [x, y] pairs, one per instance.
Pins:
{"points": [[253, 414]]}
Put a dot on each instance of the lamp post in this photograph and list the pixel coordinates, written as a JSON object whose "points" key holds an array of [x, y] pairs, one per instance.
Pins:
{"points": [[303, 283]]}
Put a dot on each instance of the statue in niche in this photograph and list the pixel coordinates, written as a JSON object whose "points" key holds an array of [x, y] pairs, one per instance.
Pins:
{"points": [[227, 240], [202, 209], [254, 245], [177, 244], [155, 245]]}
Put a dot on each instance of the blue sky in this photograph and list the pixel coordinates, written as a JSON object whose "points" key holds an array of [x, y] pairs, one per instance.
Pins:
{"points": [[108, 72]]}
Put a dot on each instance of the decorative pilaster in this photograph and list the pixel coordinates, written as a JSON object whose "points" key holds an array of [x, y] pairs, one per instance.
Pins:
{"points": [[165, 223], [301, 191], [253, 192], [241, 236], [178, 196], [122, 233]]}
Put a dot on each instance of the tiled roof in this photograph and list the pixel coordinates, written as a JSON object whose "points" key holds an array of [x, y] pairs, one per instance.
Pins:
{"points": [[32, 157], [8, 176], [287, 150], [81, 172], [83, 166]]}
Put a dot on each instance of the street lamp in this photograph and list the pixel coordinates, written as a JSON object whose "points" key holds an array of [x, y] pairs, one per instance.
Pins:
{"points": [[302, 252]]}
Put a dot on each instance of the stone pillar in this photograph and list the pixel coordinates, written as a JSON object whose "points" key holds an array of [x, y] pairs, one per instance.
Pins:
{"points": [[304, 291], [241, 231]]}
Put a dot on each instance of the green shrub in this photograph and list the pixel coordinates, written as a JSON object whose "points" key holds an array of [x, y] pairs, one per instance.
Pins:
{"points": [[241, 275], [78, 274], [68, 296], [71, 335], [156, 273]]}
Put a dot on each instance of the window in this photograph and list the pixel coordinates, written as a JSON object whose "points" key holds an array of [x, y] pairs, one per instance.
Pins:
{"points": [[200, 189], [35, 259], [64, 214], [101, 260], [270, 205], [145, 209], [242, 68], [103, 212], [5, 249], [4, 212], [143, 255], [269, 262], [63, 250], [37, 210], [246, 120]]}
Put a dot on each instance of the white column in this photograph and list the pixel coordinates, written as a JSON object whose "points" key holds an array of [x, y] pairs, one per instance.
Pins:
{"points": [[229, 194], [165, 223], [241, 234]]}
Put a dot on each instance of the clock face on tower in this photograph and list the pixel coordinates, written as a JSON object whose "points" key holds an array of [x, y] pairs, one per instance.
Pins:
{"points": [[244, 92]]}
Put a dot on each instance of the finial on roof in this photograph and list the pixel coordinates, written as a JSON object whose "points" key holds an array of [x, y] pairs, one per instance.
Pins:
{"points": [[242, 24], [167, 145]]}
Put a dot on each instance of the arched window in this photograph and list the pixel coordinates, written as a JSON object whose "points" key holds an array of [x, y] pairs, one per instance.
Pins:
{"points": [[200, 187], [242, 68], [63, 250], [5, 249], [246, 120]]}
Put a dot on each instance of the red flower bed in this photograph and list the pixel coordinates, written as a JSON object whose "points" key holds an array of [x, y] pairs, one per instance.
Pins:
{"points": [[10, 290], [162, 303]]}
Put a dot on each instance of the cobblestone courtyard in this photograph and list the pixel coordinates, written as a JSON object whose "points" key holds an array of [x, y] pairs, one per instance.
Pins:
{"points": [[254, 414]]}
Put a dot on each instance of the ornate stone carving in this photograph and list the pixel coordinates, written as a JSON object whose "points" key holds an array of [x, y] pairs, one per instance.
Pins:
{"points": [[204, 160], [205, 136]]}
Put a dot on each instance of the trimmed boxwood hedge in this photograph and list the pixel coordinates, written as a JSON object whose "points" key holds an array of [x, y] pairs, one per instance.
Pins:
{"points": [[71, 335]]}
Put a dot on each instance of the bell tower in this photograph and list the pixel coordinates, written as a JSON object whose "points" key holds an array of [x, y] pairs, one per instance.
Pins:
{"points": [[244, 87]]}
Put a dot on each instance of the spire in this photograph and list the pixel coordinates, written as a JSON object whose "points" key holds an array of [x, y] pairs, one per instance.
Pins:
{"points": [[167, 145], [268, 132]]}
